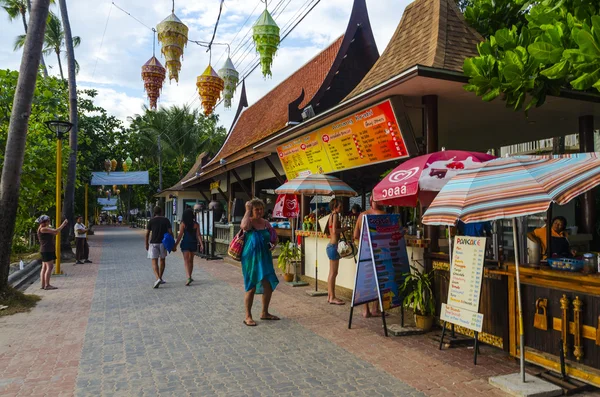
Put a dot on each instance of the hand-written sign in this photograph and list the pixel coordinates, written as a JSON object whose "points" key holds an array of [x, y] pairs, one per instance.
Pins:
{"points": [[466, 272], [366, 137], [463, 318]]}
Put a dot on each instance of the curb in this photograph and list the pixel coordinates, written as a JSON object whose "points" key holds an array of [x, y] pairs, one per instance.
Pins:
{"points": [[20, 278]]}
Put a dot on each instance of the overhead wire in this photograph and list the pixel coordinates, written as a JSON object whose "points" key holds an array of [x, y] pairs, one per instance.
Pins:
{"points": [[102, 40], [240, 29]]}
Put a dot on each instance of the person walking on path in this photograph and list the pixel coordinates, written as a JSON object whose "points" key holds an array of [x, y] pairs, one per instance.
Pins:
{"points": [[157, 227], [82, 249], [374, 210], [120, 219], [189, 230], [334, 229], [257, 261], [47, 238]]}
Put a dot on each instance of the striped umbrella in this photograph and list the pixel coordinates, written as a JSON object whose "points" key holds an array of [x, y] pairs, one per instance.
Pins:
{"points": [[316, 184], [512, 187]]}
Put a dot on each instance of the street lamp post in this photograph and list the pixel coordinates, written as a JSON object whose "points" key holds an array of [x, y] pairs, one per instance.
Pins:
{"points": [[60, 128]]}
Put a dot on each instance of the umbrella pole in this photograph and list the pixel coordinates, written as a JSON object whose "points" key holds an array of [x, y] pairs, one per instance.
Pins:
{"points": [[521, 334], [316, 244]]}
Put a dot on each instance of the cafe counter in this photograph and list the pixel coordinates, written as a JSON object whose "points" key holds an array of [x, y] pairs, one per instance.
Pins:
{"points": [[557, 305]]}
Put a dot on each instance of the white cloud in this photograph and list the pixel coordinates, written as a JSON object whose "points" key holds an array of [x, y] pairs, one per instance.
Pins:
{"points": [[114, 68]]}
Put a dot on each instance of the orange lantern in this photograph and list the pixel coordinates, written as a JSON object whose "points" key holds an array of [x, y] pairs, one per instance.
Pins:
{"points": [[209, 86], [153, 75]]}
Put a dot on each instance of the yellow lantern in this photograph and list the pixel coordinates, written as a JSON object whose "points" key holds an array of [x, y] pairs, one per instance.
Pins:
{"points": [[113, 165], [173, 36], [153, 75], [118, 191], [209, 86], [114, 188]]}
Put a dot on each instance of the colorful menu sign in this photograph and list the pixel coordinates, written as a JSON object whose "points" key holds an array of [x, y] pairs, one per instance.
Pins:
{"points": [[370, 136], [466, 275], [382, 262]]}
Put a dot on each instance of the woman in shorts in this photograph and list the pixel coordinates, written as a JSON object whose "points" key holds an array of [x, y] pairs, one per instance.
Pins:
{"points": [[47, 238], [189, 235]]}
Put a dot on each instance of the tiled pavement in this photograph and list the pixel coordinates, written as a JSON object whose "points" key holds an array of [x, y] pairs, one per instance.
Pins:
{"points": [[107, 332]]}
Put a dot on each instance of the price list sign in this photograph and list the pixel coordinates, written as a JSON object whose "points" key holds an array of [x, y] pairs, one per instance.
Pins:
{"points": [[466, 275], [367, 137]]}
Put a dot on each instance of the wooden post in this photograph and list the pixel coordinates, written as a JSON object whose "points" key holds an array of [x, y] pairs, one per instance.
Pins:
{"points": [[253, 179], [430, 131], [230, 194], [586, 144]]}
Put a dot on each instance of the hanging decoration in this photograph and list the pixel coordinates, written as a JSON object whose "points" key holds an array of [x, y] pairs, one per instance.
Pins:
{"points": [[173, 36], [125, 168], [128, 161], [153, 75], [114, 188], [113, 165], [100, 191], [209, 86], [107, 166], [230, 77], [118, 192], [265, 34], [125, 186]]}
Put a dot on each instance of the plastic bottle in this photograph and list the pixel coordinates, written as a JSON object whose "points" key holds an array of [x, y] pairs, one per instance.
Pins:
{"points": [[21, 265]]}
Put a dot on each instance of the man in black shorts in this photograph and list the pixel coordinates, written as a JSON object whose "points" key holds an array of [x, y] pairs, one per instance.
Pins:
{"points": [[157, 227]]}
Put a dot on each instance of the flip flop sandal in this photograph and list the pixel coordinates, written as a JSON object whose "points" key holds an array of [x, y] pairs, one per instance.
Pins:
{"points": [[270, 318], [49, 287], [339, 303], [249, 324]]}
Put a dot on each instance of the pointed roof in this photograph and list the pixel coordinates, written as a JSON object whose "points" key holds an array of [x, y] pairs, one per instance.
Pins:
{"points": [[431, 33]]}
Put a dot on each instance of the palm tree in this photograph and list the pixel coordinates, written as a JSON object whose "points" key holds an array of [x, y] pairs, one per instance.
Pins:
{"points": [[54, 41], [17, 134], [19, 8]]}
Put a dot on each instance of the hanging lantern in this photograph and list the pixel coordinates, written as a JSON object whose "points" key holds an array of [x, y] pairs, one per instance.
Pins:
{"points": [[125, 167], [114, 188], [107, 166], [128, 161], [209, 86], [113, 165], [125, 186], [153, 75], [231, 77], [265, 34], [118, 191], [173, 36]]}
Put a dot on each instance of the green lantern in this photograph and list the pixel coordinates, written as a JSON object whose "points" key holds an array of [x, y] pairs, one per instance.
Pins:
{"points": [[231, 77], [129, 161], [266, 40]]}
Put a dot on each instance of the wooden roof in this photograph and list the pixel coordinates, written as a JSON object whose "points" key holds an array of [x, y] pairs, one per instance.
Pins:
{"points": [[431, 33]]}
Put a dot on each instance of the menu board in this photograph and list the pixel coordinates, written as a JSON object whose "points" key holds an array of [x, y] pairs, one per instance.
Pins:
{"points": [[466, 275], [369, 136], [382, 261]]}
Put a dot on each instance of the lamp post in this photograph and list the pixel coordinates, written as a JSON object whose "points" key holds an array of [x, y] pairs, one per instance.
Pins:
{"points": [[60, 128]]}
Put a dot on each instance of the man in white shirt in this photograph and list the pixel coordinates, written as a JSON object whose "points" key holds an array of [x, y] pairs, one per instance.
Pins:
{"points": [[120, 219], [82, 249]]}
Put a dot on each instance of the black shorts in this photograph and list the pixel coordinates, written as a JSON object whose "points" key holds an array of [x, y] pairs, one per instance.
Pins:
{"points": [[48, 256]]}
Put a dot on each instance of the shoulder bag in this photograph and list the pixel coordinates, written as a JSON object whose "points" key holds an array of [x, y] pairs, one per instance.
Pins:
{"points": [[346, 248], [237, 246]]}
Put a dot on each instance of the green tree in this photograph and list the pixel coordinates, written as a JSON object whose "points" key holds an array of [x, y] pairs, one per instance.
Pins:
{"points": [[489, 16], [558, 47], [17, 134], [54, 41]]}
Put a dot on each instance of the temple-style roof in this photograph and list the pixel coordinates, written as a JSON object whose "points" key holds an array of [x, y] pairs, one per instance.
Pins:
{"points": [[431, 33]]}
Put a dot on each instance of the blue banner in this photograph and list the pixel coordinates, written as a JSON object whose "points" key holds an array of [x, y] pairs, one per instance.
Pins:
{"points": [[382, 261]]}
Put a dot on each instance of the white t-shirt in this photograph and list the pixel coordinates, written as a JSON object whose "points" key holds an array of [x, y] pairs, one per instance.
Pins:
{"points": [[79, 226], [120, 218]]}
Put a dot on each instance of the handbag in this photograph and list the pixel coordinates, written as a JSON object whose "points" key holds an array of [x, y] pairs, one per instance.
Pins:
{"points": [[168, 242], [237, 246], [346, 248]]}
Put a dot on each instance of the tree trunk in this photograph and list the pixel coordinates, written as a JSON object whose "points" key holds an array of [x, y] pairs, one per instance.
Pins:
{"points": [[69, 202], [24, 18], [42, 62], [17, 134], [62, 76]]}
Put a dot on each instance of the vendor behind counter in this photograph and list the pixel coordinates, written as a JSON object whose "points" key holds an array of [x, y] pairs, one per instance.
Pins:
{"points": [[559, 243]]}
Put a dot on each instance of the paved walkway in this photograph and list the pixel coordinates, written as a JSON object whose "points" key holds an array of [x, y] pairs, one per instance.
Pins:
{"points": [[107, 332]]}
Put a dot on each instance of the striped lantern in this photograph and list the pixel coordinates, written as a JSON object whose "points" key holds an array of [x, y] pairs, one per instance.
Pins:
{"points": [[265, 34], [153, 75], [231, 77], [209, 86], [173, 36]]}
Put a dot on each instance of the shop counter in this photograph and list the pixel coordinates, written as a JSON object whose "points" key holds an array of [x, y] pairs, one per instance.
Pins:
{"points": [[559, 297]]}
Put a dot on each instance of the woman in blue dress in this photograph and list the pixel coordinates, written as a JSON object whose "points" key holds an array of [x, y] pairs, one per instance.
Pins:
{"points": [[257, 261], [192, 240]]}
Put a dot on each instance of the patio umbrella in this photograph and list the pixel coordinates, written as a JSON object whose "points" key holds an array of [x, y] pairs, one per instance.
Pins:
{"points": [[512, 187], [315, 185], [286, 206], [420, 178]]}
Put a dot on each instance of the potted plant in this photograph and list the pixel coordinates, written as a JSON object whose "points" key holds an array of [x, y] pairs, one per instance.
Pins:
{"points": [[289, 254], [418, 295]]}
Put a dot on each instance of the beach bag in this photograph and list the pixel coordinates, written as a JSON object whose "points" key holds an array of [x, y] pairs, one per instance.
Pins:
{"points": [[168, 242], [346, 248], [236, 246]]}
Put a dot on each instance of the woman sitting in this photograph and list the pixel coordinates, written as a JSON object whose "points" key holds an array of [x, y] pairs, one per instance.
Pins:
{"points": [[559, 244]]}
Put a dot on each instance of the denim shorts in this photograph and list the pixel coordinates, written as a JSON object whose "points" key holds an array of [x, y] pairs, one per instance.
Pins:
{"points": [[332, 252]]}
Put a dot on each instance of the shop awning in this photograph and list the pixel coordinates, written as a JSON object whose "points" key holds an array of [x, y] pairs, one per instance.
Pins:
{"points": [[120, 178]]}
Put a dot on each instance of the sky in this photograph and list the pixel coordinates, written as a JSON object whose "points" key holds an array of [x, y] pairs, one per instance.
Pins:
{"points": [[114, 46]]}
